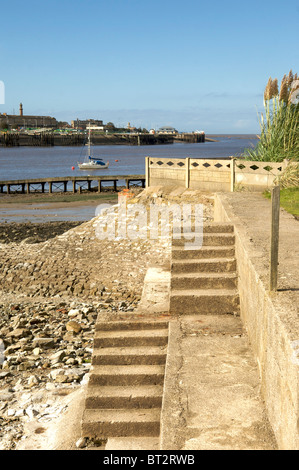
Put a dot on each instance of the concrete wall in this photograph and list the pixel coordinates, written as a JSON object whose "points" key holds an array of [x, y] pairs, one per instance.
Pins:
{"points": [[272, 328], [256, 176], [212, 174]]}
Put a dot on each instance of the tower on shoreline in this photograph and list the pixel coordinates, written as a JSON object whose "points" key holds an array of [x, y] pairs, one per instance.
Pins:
{"points": [[21, 109]]}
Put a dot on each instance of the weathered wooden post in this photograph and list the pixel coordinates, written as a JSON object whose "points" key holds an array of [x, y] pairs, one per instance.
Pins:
{"points": [[275, 199], [187, 179]]}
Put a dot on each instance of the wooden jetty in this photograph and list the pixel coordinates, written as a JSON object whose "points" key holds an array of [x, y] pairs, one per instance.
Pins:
{"points": [[57, 184]]}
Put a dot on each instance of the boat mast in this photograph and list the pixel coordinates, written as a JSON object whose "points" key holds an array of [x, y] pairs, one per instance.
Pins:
{"points": [[89, 141]]}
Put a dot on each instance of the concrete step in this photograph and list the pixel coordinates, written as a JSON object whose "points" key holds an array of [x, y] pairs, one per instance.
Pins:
{"points": [[220, 265], [129, 338], [204, 281], [132, 375], [178, 252], [130, 325], [211, 227], [142, 396], [121, 423], [133, 443], [126, 356], [212, 301], [209, 239]]}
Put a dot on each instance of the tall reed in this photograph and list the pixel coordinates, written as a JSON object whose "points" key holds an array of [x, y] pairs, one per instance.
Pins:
{"points": [[279, 124]]}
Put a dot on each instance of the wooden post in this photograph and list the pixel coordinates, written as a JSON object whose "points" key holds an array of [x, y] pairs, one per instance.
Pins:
{"points": [[99, 186], [74, 186], [115, 185], [275, 199], [232, 173], [50, 187], [65, 186], [187, 178], [28, 188]]}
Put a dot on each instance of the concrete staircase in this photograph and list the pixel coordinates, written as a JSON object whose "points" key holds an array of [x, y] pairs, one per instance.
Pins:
{"points": [[125, 389], [204, 281]]}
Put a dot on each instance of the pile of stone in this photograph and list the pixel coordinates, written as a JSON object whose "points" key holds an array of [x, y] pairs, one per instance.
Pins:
{"points": [[45, 347], [51, 295]]}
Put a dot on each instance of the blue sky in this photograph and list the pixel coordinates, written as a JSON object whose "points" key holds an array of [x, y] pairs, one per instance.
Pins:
{"points": [[192, 64]]}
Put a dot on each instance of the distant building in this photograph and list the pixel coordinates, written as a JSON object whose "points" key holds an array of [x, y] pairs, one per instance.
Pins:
{"points": [[83, 124], [167, 130], [130, 128], [22, 120]]}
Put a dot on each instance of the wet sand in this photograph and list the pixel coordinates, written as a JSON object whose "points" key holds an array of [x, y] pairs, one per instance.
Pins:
{"points": [[45, 208]]}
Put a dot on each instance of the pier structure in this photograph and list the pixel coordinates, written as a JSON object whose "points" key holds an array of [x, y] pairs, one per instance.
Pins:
{"points": [[61, 184]]}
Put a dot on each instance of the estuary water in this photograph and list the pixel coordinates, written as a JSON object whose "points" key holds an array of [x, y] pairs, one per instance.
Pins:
{"points": [[43, 162]]}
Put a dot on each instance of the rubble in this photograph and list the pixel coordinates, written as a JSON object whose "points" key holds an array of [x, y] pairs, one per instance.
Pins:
{"points": [[51, 295]]}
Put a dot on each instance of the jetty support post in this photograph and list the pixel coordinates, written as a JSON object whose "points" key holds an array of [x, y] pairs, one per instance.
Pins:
{"points": [[274, 239]]}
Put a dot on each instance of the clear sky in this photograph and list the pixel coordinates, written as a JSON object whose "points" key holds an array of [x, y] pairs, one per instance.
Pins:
{"points": [[193, 64]]}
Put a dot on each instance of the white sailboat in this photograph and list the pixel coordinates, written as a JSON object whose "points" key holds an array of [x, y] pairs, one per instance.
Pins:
{"points": [[91, 162]]}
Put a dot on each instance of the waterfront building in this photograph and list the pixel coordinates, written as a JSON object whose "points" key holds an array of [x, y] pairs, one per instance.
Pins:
{"points": [[12, 121], [167, 130], [84, 124]]}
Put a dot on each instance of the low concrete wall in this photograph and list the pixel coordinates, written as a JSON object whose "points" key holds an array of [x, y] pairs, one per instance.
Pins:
{"points": [[212, 174], [272, 325]]}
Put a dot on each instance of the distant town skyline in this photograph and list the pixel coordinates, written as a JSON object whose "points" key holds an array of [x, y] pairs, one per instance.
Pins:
{"points": [[193, 66]]}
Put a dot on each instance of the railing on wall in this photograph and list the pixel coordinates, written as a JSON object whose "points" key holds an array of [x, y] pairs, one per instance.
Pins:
{"points": [[212, 174]]}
